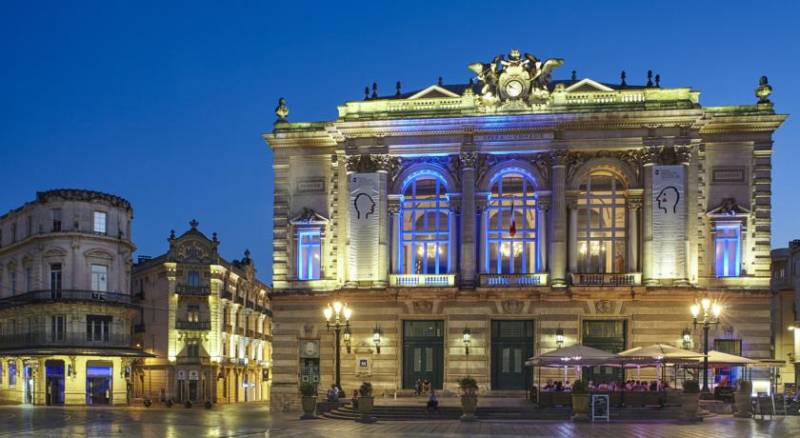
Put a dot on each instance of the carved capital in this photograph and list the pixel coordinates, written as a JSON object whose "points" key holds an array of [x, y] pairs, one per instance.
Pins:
{"points": [[469, 160], [650, 154], [683, 154], [393, 206], [572, 202], [544, 203], [635, 203], [559, 158]]}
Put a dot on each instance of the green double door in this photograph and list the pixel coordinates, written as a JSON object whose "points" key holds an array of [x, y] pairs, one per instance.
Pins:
{"points": [[512, 345], [423, 353]]}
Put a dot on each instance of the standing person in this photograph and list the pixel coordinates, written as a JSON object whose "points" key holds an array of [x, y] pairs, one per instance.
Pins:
{"points": [[418, 388]]}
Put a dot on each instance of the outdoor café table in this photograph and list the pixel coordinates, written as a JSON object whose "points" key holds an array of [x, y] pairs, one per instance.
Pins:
{"points": [[562, 398]]}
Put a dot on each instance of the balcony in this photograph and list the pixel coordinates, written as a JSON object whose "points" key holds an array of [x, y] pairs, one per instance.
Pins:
{"points": [[185, 289], [64, 295], [193, 325], [514, 280], [606, 280], [422, 280], [192, 360], [41, 339], [228, 328]]}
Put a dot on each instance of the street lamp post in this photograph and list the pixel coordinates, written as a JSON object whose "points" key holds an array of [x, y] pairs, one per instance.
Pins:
{"points": [[337, 315], [710, 316]]}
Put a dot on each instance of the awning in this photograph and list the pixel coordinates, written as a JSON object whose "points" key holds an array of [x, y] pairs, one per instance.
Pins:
{"points": [[719, 358]]}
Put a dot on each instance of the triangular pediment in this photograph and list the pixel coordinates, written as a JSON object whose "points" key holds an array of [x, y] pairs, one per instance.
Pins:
{"points": [[432, 92], [309, 217], [587, 85], [729, 207]]}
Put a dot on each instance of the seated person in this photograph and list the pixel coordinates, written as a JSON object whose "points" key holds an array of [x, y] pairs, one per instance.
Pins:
{"points": [[355, 399], [433, 402], [333, 394]]}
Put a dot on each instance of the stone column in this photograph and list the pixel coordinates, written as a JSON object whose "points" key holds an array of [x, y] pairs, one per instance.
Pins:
{"points": [[469, 228], [634, 205], [541, 226], [558, 220], [572, 205], [649, 156], [684, 157], [396, 224]]}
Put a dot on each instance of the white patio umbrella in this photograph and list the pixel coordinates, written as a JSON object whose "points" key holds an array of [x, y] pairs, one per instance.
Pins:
{"points": [[656, 354], [719, 358], [576, 355]]}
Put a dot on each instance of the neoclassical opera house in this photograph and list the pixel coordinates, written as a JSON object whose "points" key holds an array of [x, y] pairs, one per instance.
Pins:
{"points": [[515, 208]]}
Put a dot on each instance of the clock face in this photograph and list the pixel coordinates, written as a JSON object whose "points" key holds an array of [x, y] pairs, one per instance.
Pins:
{"points": [[514, 88]]}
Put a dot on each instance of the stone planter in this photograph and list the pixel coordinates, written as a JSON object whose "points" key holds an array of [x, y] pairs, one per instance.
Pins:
{"points": [[689, 402], [580, 407], [309, 407], [742, 406], [469, 403], [365, 405]]}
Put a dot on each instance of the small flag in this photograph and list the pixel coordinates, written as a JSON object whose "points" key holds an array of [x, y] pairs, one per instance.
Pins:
{"points": [[512, 230]]}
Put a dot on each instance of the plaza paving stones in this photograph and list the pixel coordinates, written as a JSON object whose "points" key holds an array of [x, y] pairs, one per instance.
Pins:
{"points": [[254, 420]]}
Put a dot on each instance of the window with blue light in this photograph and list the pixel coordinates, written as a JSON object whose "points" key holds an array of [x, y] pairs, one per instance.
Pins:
{"points": [[728, 249], [424, 234], [12, 373], [309, 250], [510, 225]]}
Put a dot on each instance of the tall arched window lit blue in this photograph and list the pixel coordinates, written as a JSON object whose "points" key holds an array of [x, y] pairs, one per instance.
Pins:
{"points": [[510, 224], [309, 249], [425, 226], [728, 249]]}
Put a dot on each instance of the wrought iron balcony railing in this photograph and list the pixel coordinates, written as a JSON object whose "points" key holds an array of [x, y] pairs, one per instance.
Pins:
{"points": [[513, 280], [422, 280], [185, 289], [192, 325], [61, 295], [38, 339], [607, 280]]}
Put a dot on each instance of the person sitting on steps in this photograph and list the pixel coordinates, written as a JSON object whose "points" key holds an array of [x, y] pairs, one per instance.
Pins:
{"points": [[433, 403]]}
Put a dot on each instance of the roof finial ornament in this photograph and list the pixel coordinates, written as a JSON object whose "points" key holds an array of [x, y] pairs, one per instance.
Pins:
{"points": [[574, 76], [366, 92], [439, 82], [622, 79], [374, 90], [214, 237], [247, 253], [658, 81], [764, 90], [649, 78], [282, 110], [193, 223], [171, 235], [397, 89]]}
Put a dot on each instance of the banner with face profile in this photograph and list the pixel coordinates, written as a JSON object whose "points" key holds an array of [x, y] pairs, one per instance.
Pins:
{"points": [[364, 229], [669, 222]]}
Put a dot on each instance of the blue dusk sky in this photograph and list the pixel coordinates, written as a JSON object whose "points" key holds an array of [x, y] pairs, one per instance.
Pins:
{"points": [[164, 103]]}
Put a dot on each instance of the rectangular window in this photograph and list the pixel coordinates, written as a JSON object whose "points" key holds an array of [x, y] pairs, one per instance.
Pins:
{"points": [[28, 279], [193, 278], [29, 225], [309, 248], [12, 373], [13, 275], [193, 313], [55, 279], [728, 249], [193, 348], [58, 326], [98, 328], [730, 346], [100, 222], [100, 278], [55, 216]]}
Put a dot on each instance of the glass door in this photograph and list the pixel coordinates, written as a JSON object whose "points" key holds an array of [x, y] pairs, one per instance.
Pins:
{"points": [[423, 353]]}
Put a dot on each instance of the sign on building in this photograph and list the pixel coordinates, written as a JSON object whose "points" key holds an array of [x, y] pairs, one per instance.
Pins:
{"points": [[669, 222], [365, 207]]}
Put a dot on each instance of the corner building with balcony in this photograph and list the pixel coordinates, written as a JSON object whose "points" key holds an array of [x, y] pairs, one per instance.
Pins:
{"points": [[516, 207], [66, 311], [207, 321], [786, 311]]}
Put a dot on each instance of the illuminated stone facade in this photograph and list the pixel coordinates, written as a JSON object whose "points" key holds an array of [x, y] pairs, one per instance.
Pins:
{"points": [[65, 305], [516, 207], [786, 319], [207, 321]]}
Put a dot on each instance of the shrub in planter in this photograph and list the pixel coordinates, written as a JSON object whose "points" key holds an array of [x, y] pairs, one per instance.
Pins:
{"points": [[689, 399], [309, 400], [365, 403], [580, 401], [469, 398]]}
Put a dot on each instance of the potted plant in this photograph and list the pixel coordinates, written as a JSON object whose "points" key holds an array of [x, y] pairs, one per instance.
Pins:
{"points": [[689, 399], [742, 405], [365, 403], [580, 401], [309, 400], [469, 398]]}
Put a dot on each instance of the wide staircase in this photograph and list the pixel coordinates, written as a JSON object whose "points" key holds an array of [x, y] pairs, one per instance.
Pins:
{"points": [[491, 409]]}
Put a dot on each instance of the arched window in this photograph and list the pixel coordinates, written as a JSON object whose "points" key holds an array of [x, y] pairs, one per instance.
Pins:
{"points": [[425, 226], [510, 224], [601, 224]]}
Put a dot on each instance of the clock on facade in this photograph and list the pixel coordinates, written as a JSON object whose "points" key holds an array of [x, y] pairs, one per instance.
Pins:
{"points": [[514, 88]]}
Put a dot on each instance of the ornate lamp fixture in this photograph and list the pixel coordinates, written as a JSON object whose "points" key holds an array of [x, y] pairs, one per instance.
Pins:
{"points": [[337, 315], [347, 336], [377, 333], [467, 339], [711, 311], [559, 337], [687, 338]]}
